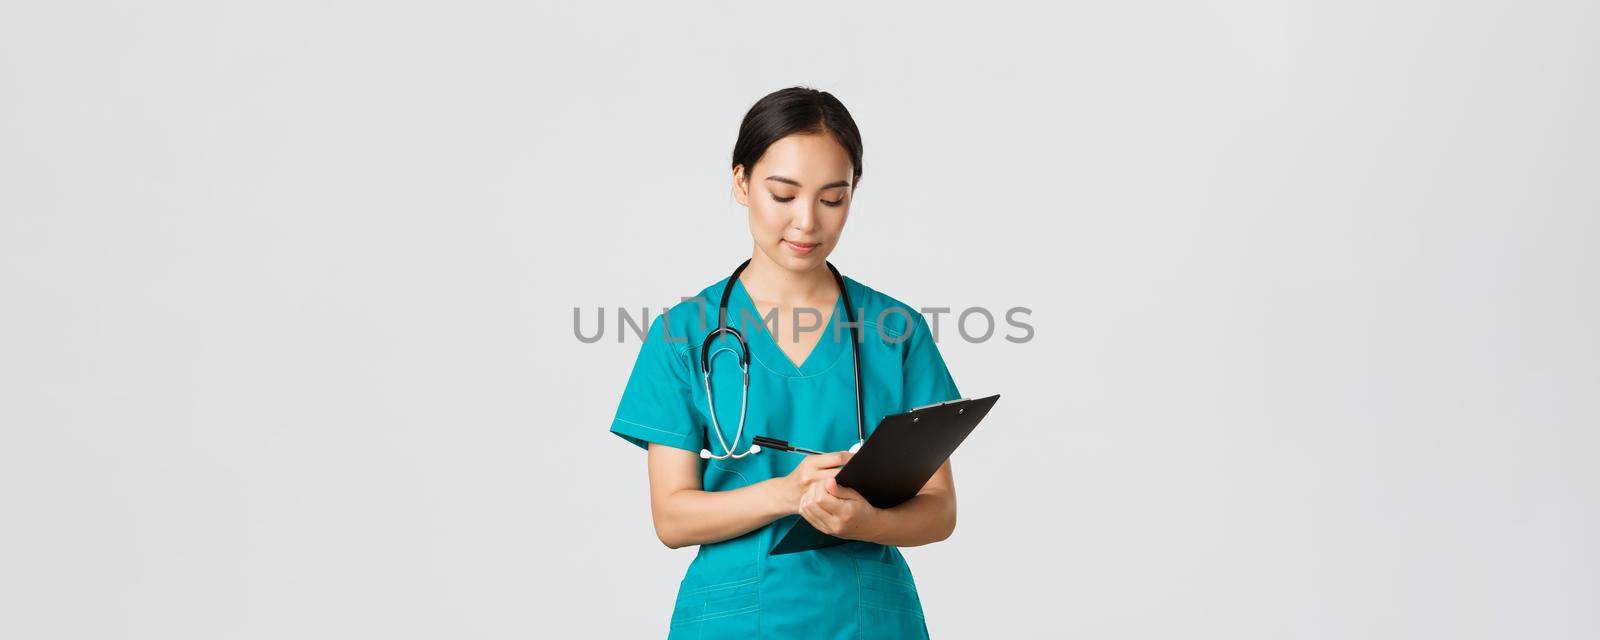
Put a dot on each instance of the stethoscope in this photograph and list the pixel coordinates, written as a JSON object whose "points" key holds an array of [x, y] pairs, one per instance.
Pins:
{"points": [[706, 355]]}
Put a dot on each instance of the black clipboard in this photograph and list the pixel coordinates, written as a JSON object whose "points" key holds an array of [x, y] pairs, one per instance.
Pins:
{"points": [[896, 461]]}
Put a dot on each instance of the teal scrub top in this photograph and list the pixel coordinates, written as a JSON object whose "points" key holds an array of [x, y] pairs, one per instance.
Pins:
{"points": [[733, 588]]}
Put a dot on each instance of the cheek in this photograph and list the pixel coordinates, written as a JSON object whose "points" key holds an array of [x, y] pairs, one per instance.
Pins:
{"points": [[767, 221], [836, 221]]}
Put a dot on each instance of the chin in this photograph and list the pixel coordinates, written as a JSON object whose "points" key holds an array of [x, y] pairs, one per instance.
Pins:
{"points": [[800, 263]]}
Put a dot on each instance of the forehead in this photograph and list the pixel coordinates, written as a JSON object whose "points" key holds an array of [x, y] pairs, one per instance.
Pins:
{"points": [[811, 158]]}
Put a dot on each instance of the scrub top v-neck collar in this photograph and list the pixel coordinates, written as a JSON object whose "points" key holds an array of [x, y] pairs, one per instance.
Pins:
{"points": [[764, 349]]}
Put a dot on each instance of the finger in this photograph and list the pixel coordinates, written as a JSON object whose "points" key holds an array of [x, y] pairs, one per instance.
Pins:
{"points": [[832, 487], [842, 492], [836, 525], [809, 513], [818, 518], [828, 504], [821, 519], [826, 460], [812, 494]]}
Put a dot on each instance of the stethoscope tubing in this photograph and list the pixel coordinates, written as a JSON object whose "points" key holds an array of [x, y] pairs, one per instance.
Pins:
{"points": [[707, 355]]}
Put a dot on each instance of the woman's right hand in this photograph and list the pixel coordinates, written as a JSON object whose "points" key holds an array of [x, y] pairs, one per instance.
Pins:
{"points": [[812, 470]]}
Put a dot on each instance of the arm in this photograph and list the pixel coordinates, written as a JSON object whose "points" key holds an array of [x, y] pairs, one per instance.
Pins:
{"points": [[685, 515], [928, 517]]}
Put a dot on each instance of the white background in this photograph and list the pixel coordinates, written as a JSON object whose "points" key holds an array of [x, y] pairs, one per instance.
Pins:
{"points": [[286, 292]]}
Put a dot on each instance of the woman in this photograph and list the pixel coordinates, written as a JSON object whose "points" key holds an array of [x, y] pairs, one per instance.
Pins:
{"points": [[796, 165]]}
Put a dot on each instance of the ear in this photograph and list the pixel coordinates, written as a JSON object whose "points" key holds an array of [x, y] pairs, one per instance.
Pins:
{"points": [[741, 186]]}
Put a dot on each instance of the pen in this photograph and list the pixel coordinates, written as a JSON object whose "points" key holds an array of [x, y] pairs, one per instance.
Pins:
{"points": [[782, 445]]}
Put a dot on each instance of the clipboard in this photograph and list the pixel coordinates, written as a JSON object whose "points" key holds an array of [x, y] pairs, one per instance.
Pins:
{"points": [[896, 461]]}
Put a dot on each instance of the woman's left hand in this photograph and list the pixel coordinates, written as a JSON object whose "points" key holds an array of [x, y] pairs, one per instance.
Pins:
{"points": [[837, 510]]}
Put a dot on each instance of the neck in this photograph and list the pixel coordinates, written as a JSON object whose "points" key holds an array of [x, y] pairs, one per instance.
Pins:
{"points": [[766, 280]]}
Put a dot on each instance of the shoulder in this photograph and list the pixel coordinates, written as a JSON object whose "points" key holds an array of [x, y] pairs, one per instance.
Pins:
{"points": [[682, 325], [891, 318]]}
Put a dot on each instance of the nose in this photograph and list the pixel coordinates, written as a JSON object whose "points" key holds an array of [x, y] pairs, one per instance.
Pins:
{"points": [[805, 217]]}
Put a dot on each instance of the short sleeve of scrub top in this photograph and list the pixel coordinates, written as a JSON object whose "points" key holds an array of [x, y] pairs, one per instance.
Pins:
{"points": [[658, 402], [927, 379]]}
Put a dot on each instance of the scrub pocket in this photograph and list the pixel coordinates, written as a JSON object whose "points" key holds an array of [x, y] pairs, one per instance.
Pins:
{"points": [[730, 609], [890, 607]]}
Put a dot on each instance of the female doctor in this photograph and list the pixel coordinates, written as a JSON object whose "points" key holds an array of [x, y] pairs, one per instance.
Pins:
{"points": [[796, 165]]}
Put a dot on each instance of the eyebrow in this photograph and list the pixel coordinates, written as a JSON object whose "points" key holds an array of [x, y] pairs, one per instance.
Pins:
{"points": [[830, 185]]}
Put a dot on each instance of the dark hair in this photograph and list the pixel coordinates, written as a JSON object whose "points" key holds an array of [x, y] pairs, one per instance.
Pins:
{"points": [[795, 110]]}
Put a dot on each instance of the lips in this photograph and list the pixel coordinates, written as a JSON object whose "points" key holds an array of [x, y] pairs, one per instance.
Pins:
{"points": [[801, 248]]}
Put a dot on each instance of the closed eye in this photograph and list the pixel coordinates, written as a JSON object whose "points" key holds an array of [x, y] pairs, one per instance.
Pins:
{"points": [[831, 203]]}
